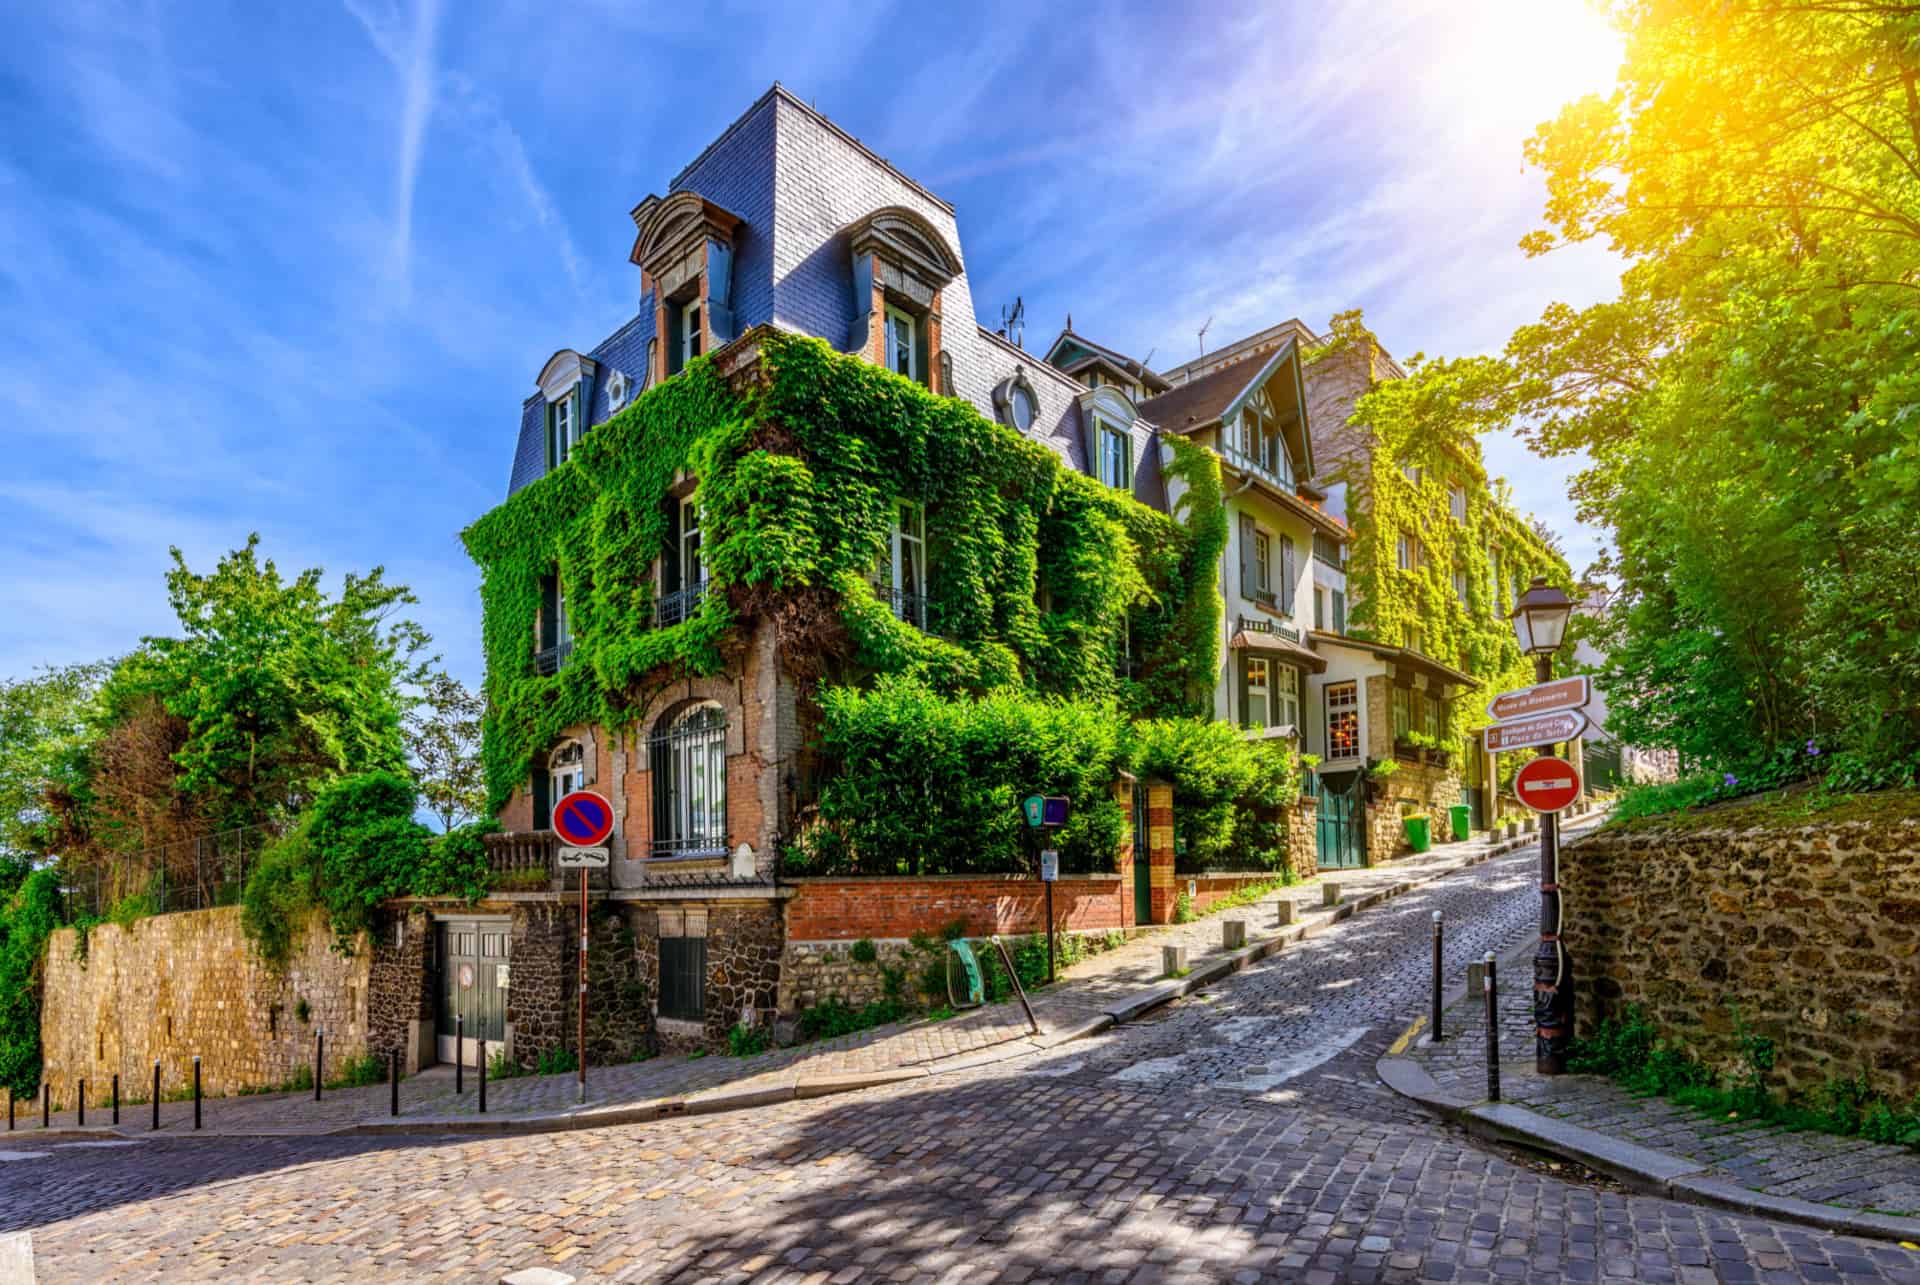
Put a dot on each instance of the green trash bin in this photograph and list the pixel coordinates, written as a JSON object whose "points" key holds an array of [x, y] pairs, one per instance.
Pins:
{"points": [[1462, 821], [1417, 833]]}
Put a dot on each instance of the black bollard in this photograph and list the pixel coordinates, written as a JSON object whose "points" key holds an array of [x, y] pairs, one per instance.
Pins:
{"points": [[393, 1081], [46, 1106], [1437, 952], [1493, 1030], [156, 1093], [116, 1097], [9, 1110], [459, 1053], [196, 1090], [319, 1058], [82, 1104], [483, 1075]]}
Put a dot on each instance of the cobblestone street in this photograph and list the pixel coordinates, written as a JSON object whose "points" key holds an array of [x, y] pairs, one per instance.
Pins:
{"points": [[1237, 1135]]}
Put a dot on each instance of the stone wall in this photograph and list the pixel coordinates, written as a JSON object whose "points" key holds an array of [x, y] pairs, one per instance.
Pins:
{"points": [[1813, 931], [1303, 837], [173, 986]]}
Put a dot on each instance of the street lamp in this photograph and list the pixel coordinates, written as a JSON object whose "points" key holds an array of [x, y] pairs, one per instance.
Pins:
{"points": [[1540, 623]]}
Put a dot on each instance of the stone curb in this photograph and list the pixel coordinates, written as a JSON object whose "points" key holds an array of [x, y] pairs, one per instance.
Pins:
{"points": [[721, 1100], [1645, 1169]]}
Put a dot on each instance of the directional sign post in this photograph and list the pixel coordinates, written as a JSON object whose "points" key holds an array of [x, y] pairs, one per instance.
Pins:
{"points": [[583, 820], [1535, 730], [1541, 698]]}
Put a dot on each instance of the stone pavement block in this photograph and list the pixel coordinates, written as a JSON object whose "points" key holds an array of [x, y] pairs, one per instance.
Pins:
{"points": [[16, 1259]]}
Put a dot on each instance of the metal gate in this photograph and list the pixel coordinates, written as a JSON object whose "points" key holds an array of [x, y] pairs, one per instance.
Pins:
{"points": [[1142, 860], [471, 961], [1341, 830]]}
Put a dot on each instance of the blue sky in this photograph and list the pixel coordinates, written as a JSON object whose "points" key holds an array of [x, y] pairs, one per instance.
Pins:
{"points": [[294, 272]]}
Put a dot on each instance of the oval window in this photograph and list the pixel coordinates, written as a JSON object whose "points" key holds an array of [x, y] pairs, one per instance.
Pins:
{"points": [[1021, 403]]}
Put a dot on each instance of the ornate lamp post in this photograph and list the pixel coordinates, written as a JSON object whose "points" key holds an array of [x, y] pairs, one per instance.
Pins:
{"points": [[1540, 623]]}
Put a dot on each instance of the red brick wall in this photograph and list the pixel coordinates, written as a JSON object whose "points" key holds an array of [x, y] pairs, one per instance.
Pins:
{"points": [[1210, 889], [849, 909]]}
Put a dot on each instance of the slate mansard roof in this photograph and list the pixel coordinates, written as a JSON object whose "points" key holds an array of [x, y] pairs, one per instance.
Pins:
{"points": [[797, 181]]}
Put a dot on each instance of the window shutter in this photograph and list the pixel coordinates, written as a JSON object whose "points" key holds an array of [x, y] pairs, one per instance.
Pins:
{"points": [[1246, 712], [670, 550], [1287, 574], [660, 763], [542, 805], [549, 612], [546, 411], [579, 397], [1248, 581], [922, 364], [1126, 475]]}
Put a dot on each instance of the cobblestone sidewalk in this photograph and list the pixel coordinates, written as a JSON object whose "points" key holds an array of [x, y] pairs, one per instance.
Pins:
{"points": [[1849, 1173], [1079, 998]]}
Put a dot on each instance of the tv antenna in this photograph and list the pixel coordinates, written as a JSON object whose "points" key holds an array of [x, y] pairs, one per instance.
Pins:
{"points": [[1013, 322], [1203, 334]]}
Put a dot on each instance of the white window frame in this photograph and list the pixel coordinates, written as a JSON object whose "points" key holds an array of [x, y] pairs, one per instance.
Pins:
{"points": [[693, 568], [562, 627], [1342, 698], [1460, 586], [1262, 565], [1286, 698], [908, 562], [564, 436], [1414, 640], [1259, 692], [1404, 555], [1457, 501], [692, 334], [901, 322], [1110, 447]]}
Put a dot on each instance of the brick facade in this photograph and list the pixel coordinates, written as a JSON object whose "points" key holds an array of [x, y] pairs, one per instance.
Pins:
{"points": [[849, 909]]}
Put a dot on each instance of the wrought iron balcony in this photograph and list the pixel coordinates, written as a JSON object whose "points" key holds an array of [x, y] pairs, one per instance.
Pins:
{"points": [[697, 846], [551, 660], [678, 607], [910, 607]]}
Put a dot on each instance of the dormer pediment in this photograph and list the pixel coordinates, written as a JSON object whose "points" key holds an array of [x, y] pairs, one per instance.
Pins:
{"points": [[905, 239], [671, 227], [563, 370]]}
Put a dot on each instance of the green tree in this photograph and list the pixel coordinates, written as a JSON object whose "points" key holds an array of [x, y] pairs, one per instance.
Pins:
{"points": [[443, 738], [1748, 402], [46, 725]]}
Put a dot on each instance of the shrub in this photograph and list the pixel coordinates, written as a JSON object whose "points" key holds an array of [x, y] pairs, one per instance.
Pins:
{"points": [[502, 1067], [27, 919], [864, 951], [278, 898], [929, 784], [833, 1016], [456, 864], [1228, 792], [357, 1072], [746, 1041], [367, 846]]}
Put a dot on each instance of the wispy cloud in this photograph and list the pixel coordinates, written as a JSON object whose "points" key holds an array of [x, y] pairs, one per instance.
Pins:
{"points": [[408, 46]]}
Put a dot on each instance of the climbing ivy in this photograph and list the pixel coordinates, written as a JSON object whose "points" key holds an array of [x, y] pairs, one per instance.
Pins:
{"points": [[1423, 441], [1037, 578]]}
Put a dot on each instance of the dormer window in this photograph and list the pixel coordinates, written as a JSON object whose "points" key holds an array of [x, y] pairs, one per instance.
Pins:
{"points": [[903, 356], [901, 263], [687, 336], [1015, 403], [565, 382], [564, 439], [685, 254]]}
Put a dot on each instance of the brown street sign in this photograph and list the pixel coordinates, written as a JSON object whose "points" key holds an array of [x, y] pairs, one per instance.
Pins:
{"points": [[1529, 733], [1541, 698]]}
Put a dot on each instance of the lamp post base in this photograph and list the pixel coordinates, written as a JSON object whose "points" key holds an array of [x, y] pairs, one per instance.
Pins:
{"points": [[1552, 1008]]}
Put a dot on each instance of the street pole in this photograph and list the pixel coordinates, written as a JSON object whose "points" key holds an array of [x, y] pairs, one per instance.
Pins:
{"points": [[1049, 932], [580, 1094], [1552, 968]]}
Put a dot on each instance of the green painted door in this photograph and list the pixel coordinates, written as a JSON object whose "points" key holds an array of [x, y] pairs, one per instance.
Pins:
{"points": [[1142, 867], [1341, 837]]}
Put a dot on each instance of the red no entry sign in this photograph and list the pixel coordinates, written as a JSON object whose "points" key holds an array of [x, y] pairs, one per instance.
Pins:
{"points": [[583, 819], [1547, 785]]}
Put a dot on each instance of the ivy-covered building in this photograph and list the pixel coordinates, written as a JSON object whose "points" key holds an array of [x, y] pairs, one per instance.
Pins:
{"points": [[1411, 622], [802, 462]]}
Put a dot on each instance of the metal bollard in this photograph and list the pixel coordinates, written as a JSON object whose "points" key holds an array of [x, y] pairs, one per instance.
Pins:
{"points": [[46, 1106], [156, 1093], [319, 1058], [10, 1110], [459, 1053], [1437, 952], [196, 1090], [393, 1081], [116, 1097], [483, 1075], [81, 1120], [1493, 1029]]}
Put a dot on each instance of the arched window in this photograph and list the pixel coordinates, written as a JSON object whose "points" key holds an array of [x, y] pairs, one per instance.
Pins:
{"points": [[689, 760]]}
